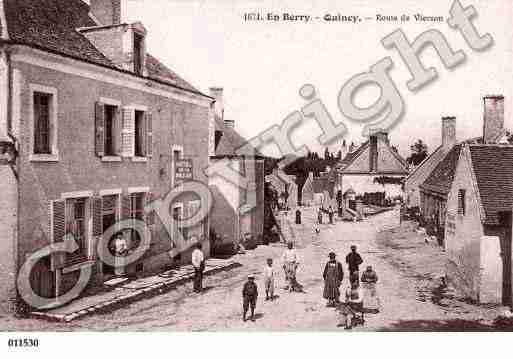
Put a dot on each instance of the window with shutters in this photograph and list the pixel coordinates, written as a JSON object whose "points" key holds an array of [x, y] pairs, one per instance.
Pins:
{"points": [[43, 123], [76, 225], [461, 202]]}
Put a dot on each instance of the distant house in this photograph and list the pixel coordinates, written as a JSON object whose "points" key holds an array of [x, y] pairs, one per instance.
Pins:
{"points": [[285, 186], [373, 161], [478, 228], [318, 190], [424, 169], [237, 215]]}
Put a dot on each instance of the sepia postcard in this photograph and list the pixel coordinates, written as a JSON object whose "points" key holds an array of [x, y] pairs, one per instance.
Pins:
{"points": [[323, 167]]}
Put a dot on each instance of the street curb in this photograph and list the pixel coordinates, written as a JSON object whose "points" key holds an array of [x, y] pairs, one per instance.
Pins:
{"points": [[117, 303]]}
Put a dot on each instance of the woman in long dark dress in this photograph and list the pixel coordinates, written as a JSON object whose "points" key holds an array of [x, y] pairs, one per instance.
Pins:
{"points": [[333, 275]]}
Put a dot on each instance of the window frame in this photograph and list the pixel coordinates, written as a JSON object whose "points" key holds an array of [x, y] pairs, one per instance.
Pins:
{"points": [[53, 156], [88, 225], [117, 121], [144, 110], [175, 148]]}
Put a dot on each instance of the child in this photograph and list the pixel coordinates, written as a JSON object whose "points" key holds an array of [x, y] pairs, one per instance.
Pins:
{"points": [[269, 280], [249, 297]]}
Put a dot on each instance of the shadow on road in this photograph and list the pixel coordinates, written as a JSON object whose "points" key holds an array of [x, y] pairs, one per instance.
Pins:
{"points": [[452, 325]]}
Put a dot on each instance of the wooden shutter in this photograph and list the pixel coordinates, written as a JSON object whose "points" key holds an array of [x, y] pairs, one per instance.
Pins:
{"points": [[149, 134], [149, 216], [118, 130], [99, 114], [126, 207], [96, 211], [58, 231], [128, 133]]}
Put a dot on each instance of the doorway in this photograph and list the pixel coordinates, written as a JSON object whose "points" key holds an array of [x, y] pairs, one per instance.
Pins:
{"points": [[506, 223]]}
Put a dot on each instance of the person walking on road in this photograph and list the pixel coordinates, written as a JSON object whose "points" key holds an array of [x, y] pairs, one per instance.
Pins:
{"points": [[353, 260], [198, 262], [290, 263], [249, 297], [319, 216], [331, 214], [333, 275]]}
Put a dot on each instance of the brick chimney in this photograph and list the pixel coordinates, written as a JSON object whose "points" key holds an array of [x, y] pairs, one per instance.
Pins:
{"points": [[493, 118], [448, 131], [217, 94], [107, 12]]}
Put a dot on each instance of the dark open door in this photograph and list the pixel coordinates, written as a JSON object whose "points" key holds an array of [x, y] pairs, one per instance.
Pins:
{"points": [[506, 222]]}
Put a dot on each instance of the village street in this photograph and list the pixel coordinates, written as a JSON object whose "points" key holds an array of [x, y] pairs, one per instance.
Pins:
{"points": [[405, 296]]}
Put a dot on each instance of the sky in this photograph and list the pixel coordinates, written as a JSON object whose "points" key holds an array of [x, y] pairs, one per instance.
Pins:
{"points": [[262, 65]]}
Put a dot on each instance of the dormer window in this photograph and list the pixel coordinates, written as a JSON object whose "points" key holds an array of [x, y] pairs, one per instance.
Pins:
{"points": [[138, 53]]}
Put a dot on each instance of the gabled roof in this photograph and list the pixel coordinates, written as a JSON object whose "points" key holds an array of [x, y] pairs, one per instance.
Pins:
{"points": [[51, 25], [440, 179], [232, 143], [388, 155], [493, 169]]}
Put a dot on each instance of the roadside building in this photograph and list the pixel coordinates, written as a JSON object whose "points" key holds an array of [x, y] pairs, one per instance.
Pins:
{"points": [[478, 229], [99, 125], [374, 167], [435, 188], [237, 216], [307, 191], [424, 169]]}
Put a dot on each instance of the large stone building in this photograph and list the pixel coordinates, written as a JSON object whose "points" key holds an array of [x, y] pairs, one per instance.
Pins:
{"points": [[98, 125]]}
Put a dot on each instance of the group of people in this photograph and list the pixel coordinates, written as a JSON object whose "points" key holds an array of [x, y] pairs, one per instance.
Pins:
{"points": [[354, 296], [331, 215], [290, 262], [358, 288]]}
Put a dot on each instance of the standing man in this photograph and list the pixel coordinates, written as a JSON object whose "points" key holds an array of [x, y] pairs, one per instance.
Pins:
{"points": [[198, 262], [353, 260]]}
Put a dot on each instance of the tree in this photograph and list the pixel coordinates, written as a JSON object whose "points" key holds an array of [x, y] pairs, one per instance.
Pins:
{"points": [[419, 151]]}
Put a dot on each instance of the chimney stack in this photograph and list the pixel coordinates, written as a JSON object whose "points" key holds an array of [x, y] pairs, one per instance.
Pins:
{"points": [[107, 12], [448, 131], [493, 118], [217, 94]]}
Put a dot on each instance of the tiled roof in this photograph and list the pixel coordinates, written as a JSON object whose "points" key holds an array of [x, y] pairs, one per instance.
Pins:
{"points": [[51, 25], [493, 168], [440, 179], [158, 71], [231, 141]]}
